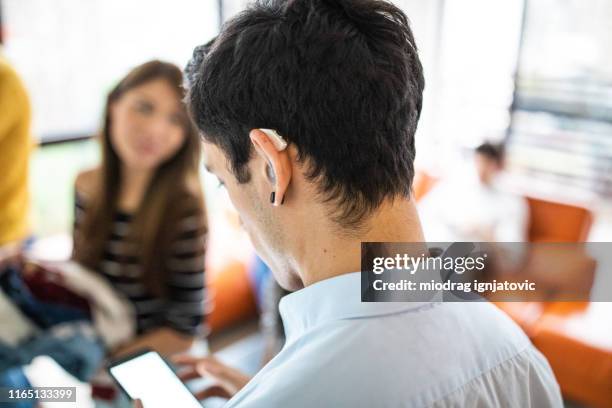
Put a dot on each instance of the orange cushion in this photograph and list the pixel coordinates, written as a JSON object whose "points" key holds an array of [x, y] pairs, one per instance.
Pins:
{"points": [[576, 338], [554, 222], [230, 295]]}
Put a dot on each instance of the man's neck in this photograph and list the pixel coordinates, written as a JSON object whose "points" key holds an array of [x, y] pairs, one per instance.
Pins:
{"points": [[332, 254]]}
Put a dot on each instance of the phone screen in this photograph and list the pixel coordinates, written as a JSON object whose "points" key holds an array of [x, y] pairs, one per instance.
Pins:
{"points": [[148, 378]]}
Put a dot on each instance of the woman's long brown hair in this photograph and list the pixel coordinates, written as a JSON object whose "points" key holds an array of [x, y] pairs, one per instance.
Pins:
{"points": [[174, 192]]}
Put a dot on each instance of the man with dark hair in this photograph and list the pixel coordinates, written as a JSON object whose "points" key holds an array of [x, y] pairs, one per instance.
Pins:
{"points": [[489, 161], [308, 110], [493, 151], [485, 211]]}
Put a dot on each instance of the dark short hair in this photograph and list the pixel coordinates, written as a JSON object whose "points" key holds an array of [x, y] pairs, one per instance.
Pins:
{"points": [[491, 151], [192, 69], [339, 79]]}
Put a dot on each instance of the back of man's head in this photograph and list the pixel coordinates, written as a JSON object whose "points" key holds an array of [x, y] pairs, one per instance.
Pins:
{"points": [[491, 151], [339, 79]]}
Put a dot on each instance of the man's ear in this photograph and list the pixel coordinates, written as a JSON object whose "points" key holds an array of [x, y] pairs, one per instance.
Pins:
{"points": [[277, 165]]}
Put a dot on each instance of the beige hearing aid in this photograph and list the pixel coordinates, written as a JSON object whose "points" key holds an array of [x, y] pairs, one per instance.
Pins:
{"points": [[279, 142]]}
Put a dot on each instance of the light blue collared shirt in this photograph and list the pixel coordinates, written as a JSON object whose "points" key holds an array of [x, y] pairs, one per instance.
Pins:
{"points": [[341, 352]]}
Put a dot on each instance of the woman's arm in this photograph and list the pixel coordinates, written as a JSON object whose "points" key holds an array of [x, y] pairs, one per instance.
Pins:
{"points": [[185, 292], [185, 279]]}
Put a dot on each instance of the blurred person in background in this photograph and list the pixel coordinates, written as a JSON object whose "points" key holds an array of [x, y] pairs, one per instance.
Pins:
{"points": [[472, 207], [140, 218], [15, 147]]}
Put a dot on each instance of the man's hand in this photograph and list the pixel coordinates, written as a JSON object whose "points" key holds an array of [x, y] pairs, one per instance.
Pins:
{"points": [[228, 380]]}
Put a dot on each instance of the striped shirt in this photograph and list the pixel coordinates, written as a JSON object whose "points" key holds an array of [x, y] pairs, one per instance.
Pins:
{"points": [[182, 308]]}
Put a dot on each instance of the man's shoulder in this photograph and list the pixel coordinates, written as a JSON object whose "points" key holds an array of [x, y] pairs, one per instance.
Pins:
{"points": [[446, 329], [421, 355], [472, 322], [484, 328], [418, 358]]}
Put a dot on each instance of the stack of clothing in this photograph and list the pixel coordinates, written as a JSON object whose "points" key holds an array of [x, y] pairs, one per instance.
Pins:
{"points": [[77, 317]]}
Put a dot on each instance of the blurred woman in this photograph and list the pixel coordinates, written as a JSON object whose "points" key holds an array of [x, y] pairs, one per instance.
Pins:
{"points": [[140, 217], [15, 147]]}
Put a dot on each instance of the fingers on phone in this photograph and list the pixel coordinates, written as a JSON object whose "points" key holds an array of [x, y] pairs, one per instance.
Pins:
{"points": [[189, 374], [213, 391], [193, 367]]}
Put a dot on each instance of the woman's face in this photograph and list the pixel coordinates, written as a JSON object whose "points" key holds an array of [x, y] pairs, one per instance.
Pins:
{"points": [[147, 125]]}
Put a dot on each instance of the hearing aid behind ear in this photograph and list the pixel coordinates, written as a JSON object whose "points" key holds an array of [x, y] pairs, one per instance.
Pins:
{"points": [[279, 142]]}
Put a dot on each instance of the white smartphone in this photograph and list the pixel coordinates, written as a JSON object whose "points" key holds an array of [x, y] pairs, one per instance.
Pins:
{"points": [[146, 376]]}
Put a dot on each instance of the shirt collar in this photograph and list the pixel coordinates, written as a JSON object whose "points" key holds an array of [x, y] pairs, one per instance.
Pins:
{"points": [[331, 299]]}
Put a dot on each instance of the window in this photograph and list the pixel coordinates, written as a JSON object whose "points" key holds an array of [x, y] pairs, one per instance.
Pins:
{"points": [[71, 53], [561, 132]]}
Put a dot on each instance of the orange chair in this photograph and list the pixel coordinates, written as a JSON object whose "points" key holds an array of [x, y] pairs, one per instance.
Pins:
{"points": [[576, 338], [554, 222], [231, 299], [231, 296], [422, 184]]}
